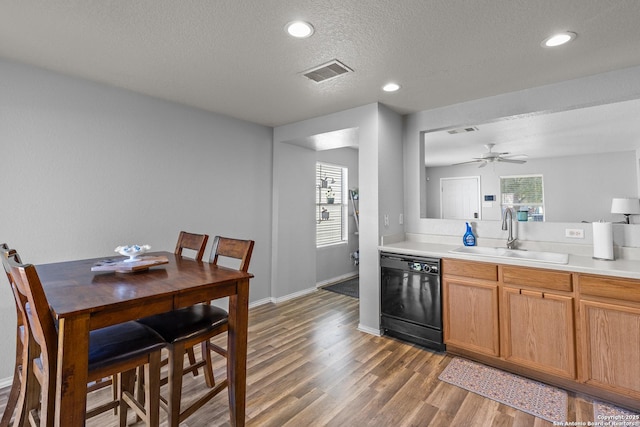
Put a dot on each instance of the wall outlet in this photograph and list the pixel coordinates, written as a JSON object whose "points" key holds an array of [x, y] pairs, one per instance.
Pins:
{"points": [[574, 233], [386, 220], [401, 219]]}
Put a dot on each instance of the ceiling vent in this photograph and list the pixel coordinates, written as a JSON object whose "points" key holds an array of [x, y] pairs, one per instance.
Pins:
{"points": [[328, 71], [462, 130]]}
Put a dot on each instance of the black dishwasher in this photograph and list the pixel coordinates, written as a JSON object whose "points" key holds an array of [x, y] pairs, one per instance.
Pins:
{"points": [[411, 302]]}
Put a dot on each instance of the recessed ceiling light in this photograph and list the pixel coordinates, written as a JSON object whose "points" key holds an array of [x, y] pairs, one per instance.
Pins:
{"points": [[391, 87], [299, 29], [559, 39]]}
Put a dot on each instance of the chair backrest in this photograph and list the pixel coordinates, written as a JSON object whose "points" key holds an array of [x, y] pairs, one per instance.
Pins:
{"points": [[232, 248], [195, 242], [6, 253], [41, 325], [4, 250]]}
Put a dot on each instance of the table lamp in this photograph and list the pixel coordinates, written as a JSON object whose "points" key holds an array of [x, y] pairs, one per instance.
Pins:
{"points": [[626, 207]]}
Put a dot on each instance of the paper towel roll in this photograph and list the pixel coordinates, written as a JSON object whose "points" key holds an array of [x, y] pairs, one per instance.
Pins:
{"points": [[603, 240]]}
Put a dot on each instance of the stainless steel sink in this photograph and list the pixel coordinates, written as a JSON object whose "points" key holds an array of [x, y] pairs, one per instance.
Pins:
{"points": [[549, 257]]}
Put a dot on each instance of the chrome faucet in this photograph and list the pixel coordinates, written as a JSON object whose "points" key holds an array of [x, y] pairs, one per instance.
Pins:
{"points": [[508, 225]]}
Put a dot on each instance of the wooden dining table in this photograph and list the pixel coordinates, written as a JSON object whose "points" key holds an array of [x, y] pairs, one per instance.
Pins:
{"points": [[82, 300]]}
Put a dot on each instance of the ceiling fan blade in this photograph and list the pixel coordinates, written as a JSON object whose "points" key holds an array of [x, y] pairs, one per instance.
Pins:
{"points": [[513, 156], [507, 160], [466, 163], [483, 164]]}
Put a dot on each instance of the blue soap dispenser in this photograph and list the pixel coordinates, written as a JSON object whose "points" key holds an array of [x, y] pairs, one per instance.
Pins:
{"points": [[469, 238]]}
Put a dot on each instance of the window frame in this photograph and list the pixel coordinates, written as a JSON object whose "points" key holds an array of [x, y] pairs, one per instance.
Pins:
{"points": [[341, 201], [540, 215]]}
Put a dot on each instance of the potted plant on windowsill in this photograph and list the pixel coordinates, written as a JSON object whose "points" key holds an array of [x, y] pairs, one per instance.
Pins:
{"points": [[330, 196]]}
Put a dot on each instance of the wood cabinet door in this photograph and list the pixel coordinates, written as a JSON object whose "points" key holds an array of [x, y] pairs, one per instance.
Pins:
{"points": [[471, 316], [611, 347], [538, 331]]}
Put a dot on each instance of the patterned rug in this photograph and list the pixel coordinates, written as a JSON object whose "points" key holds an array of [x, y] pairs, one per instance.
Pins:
{"points": [[607, 413], [529, 396], [349, 287]]}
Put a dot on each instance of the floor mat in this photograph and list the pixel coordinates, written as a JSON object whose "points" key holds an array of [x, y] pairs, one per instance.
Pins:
{"points": [[349, 287], [608, 414], [529, 396]]}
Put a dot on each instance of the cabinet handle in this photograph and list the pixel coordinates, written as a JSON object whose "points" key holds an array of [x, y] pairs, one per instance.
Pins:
{"points": [[531, 293]]}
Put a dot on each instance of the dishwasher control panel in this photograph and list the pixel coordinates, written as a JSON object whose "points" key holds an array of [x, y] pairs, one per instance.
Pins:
{"points": [[423, 267]]}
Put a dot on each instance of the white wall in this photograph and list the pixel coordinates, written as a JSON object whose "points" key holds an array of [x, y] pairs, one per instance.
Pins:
{"points": [[334, 261], [88, 167], [391, 184], [608, 87], [371, 121], [294, 242]]}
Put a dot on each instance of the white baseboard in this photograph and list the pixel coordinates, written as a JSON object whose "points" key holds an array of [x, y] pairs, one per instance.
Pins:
{"points": [[6, 382], [293, 295], [369, 330], [260, 302], [272, 300], [336, 279]]}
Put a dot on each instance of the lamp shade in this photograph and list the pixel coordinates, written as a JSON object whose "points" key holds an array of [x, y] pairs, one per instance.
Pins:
{"points": [[625, 206]]}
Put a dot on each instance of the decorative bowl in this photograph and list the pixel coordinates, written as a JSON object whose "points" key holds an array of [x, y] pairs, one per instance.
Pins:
{"points": [[132, 251]]}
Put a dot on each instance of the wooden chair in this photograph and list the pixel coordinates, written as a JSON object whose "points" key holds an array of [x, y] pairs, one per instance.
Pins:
{"points": [[193, 325], [224, 247], [196, 243], [16, 399], [113, 350]]}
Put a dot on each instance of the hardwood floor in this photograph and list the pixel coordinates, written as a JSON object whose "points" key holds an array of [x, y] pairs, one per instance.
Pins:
{"points": [[308, 365]]}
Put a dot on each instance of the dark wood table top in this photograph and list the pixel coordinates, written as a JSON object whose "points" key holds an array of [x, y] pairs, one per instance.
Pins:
{"points": [[72, 288]]}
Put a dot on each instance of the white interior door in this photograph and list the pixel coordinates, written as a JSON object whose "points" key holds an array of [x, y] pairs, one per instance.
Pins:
{"points": [[460, 198]]}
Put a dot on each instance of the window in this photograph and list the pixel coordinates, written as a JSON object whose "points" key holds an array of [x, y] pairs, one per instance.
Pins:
{"points": [[523, 193], [331, 204]]}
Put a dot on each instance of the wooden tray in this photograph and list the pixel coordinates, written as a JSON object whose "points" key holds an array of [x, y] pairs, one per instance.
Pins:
{"points": [[120, 266]]}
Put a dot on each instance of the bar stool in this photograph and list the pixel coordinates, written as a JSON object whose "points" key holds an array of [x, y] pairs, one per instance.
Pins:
{"points": [[15, 401], [193, 325], [113, 350], [196, 243]]}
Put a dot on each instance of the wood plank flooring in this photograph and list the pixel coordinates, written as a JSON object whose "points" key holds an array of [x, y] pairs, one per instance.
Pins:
{"points": [[308, 365]]}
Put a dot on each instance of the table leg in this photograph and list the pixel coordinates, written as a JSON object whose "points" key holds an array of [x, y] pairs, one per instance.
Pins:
{"points": [[71, 381], [237, 352]]}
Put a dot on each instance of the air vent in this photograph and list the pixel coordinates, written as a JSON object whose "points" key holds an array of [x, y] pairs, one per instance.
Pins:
{"points": [[462, 130], [330, 70]]}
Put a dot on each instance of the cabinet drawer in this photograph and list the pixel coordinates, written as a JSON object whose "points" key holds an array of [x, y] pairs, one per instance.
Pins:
{"points": [[538, 278], [610, 287], [474, 270]]}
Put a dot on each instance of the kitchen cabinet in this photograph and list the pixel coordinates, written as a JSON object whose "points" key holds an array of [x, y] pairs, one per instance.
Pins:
{"points": [[537, 320], [610, 334], [470, 298], [538, 331], [578, 331]]}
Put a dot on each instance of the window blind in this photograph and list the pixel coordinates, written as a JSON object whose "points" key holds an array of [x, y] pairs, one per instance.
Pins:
{"points": [[330, 215], [524, 192]]}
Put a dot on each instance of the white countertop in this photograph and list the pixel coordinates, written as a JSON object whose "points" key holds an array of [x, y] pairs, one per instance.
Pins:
{"points": [[577, 263]]}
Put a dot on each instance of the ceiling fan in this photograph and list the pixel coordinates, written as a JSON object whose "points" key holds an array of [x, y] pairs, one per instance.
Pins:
{"points": [[491, 156]]}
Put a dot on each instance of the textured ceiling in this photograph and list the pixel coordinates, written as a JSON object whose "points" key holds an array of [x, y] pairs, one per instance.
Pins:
{"points": [[233, 56]]}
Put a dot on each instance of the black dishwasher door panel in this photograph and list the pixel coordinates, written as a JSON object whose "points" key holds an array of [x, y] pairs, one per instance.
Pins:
{"points": [[412, 296]]}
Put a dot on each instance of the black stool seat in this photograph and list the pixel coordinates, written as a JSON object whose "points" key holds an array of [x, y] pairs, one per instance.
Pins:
{"points": [[122, 342], [184, 323]]}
